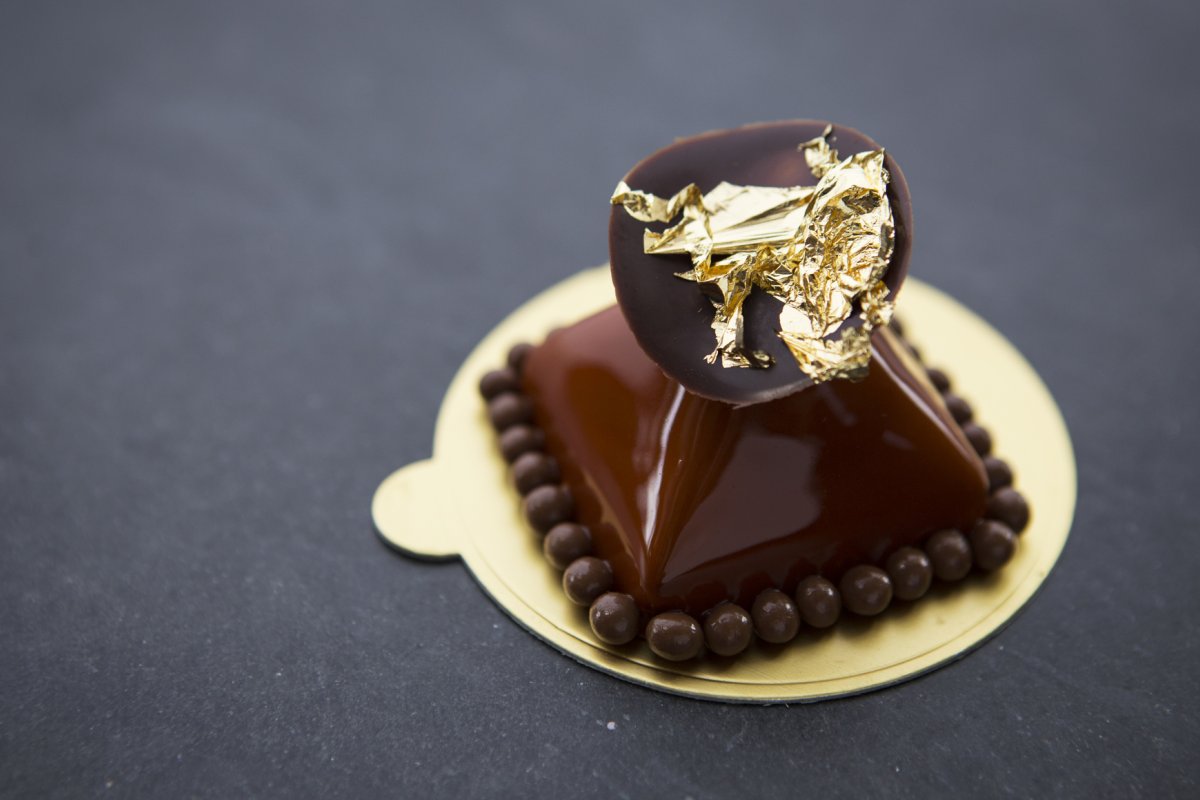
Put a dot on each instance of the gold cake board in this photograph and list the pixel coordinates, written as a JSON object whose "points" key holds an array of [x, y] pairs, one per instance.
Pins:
{"points": [[460, 504]]}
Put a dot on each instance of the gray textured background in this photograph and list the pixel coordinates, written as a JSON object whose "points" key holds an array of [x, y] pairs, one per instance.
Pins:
{"points": [[244, 246]]}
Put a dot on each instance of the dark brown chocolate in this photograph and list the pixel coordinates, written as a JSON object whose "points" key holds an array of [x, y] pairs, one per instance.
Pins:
{"points": [[979, 438], [533, 470], [566, 542], [911, 573], [497, 382], [546, 506], [992, 544], [1009, 506], [959, 409], [671, 317], [516, 356], [519, 440], [728, 629], [614, 618], [999, 473], [509, 409], [819, 601], [866, 590], [674, 636], [939, 379], [950, 554], [776, 619], [694, 502], [585, 579]]}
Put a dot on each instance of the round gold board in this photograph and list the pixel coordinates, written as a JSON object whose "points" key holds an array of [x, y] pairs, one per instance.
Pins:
{"points": [[460, 504]]}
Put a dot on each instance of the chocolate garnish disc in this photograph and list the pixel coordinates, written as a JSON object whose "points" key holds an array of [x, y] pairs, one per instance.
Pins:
{"points": [[670, 317]]}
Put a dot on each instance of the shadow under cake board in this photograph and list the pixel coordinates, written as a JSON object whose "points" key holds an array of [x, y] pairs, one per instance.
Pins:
{"points": [[460, 504]]}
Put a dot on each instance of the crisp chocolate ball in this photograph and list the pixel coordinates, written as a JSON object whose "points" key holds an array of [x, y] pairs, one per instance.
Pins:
{"points": [[566, 542], [911, 573], [674, 636], [585, 579], [992, 544], [819, 601], [614, 618], [546, 506], [521, 439], [916, 352], [950, 554], [939, 379], [728, 629], [979, 438], [533, 470], [959, 409], [866, 590], [497, 382], [508, 409], [1009, 506], [897, 327], [517, 355], [999, 473], [776, 618]]}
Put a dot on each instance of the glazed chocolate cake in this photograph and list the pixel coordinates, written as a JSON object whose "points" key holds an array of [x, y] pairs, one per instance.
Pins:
{"points": [[705, 501]]}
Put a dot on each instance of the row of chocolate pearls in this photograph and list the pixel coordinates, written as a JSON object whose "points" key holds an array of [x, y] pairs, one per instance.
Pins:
{"points": [[774, 616]]}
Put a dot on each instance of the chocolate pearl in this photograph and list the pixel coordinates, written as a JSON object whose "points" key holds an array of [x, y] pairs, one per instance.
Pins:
{"points": [[520, 439], [674, 636], [566, 542], [950, 554], [911, 573], [897, 327], [533, 470], [497, 382], [517, 356], [866, 590], [819, 601], [999, 473], [776, 619], [992, 544], [939, 379], [614, 618], [916, 353], [727, 629], [1009, 506], [508, 409], [959, 409], [979, 438], [585, 579], [546, 506]]}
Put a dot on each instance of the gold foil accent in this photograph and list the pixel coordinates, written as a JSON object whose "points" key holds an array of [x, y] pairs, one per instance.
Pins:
{"points": [[818, 249]]}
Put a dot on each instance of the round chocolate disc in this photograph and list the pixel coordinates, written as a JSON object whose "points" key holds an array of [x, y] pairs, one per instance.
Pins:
{"points": [[672, 317]]}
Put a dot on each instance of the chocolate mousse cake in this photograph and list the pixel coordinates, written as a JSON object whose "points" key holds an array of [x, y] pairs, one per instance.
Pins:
{"points": [[746, 444]]}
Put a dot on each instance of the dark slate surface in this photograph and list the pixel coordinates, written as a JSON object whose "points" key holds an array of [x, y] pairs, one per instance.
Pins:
{"points": [[243, 248]]}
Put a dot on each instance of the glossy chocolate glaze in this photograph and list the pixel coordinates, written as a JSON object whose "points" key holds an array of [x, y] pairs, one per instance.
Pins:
{"points": [[694, 501]]}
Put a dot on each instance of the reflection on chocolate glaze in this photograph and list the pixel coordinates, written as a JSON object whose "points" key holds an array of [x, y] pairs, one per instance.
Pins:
{"points": [[693, 501]]}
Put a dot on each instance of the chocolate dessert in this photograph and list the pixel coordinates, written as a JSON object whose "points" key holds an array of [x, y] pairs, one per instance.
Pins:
{"points": [[806, 466]]}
